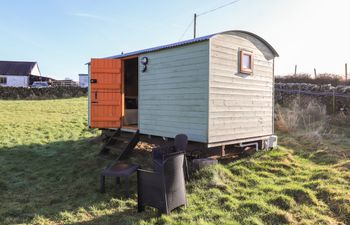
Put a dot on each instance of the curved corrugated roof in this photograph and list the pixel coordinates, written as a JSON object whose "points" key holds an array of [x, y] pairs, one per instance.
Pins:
{"points": [[173, 45], [274, 52], [194, 40], [190, 41]]}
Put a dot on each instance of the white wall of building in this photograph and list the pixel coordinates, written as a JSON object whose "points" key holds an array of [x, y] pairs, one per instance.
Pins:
{"points": [[35, 70], [16, 81]]}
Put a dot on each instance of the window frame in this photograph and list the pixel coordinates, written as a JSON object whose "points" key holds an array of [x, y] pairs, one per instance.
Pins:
{"points": [[241, 67], [4, 79]]}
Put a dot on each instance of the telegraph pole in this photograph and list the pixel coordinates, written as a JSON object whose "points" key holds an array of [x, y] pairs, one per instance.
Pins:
{"points": [[346, 73], [194, 25]]}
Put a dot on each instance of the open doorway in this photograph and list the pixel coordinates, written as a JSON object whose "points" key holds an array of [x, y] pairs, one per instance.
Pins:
{"points": [[130, 119]]}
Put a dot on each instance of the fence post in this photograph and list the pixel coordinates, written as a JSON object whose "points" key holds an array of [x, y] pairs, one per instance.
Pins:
{"points": [[346, 74], [299, 94], [315, 73], [333, 101]]}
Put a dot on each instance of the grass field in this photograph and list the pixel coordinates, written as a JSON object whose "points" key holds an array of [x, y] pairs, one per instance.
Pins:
{"points": [[49, 174]]}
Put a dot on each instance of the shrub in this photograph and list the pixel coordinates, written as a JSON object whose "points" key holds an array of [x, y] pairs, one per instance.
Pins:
{"points": [[309, 118], [341, 119], [13, 93]]}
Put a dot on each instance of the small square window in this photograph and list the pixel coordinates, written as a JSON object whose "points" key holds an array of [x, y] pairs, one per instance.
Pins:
{"points": [[246, 62], [3, 80]]}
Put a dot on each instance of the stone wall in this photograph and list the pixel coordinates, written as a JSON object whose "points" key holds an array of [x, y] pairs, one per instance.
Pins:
{"points": [[335, 98]]}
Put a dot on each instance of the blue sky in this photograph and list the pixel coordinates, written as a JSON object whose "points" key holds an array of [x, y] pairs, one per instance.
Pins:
{"points": [[64, 34]]}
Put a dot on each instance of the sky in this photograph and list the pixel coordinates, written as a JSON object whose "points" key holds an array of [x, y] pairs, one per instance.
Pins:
{"points": [[62, 35]]}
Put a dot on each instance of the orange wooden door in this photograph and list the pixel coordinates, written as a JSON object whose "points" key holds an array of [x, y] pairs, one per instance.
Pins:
{"points": [[106, 93]]}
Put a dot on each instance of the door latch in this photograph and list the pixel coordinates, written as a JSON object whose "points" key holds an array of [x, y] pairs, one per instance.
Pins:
{"points": [[93, 81]]}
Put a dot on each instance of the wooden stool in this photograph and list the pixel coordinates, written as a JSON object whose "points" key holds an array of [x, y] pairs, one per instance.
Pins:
{"points": [[118, 170]]}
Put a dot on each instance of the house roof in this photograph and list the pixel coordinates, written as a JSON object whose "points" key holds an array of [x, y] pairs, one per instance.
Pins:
{"points": [[190, 41], [16, 68]]}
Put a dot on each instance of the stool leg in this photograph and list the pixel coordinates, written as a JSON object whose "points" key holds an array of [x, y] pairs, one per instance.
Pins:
{"points": [[127, 186], [102, 184], [140, 207], [117, 183], [187, 175]]}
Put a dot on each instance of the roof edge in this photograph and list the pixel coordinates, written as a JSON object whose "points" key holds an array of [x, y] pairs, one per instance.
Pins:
{"points": [[161, 47], [274, 52], [191, 41]]}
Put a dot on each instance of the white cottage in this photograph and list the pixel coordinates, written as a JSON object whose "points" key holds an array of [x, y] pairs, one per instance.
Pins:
{"points": [[17, 73], [217, 89]]}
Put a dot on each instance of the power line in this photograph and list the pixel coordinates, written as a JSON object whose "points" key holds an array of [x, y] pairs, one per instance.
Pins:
{"points": [[189, 25], [220, 7], [204, 13]]}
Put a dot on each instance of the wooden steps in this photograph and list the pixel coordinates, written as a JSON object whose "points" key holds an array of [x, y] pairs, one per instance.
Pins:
{"points": [[120, 144]]}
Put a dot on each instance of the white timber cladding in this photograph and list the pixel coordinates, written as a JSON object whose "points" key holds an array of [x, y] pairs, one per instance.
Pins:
{"points": [[240, 105], [173, 92], [15, 81]]}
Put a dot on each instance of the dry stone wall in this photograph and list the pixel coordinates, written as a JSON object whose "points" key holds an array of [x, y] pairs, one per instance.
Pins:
{"points": [[335, 98]]}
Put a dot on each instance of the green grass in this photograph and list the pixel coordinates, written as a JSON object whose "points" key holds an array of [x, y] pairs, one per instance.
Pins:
{"points": [[50, 175]]}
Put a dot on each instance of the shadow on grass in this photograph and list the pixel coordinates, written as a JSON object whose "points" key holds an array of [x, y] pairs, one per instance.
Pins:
{"points": [[59, 182]]}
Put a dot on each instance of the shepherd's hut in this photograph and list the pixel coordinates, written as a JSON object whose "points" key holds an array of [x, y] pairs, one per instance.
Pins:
{"points": [[217, 89]]}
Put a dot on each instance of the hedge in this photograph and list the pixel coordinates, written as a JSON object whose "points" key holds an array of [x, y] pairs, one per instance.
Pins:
{"points": [[41, 93]]}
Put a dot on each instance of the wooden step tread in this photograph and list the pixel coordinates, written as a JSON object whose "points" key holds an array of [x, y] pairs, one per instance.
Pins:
{"points": [[117, 145], [120, 139], [121, 144]]}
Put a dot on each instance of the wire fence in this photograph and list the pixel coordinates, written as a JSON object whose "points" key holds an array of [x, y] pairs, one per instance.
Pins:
{"points": [[334, 101], [329, 93]]}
